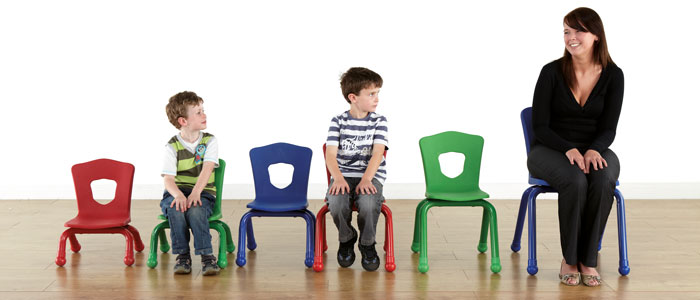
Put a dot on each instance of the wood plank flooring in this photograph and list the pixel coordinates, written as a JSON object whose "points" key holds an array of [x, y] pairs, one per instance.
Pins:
{"points": [[663, 240]]}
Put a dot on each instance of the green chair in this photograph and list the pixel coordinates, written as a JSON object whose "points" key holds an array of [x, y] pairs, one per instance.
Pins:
{"points": [[462, 190], [225, 240]]}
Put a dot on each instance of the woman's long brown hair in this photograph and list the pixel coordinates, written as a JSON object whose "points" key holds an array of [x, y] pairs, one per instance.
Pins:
{"points": [[586, 20]]}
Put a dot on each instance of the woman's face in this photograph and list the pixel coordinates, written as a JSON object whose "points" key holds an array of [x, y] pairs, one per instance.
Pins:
{"points": [[579, 43]]}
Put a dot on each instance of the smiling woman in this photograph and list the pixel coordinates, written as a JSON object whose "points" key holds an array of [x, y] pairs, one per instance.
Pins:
{"points": [[575, 110]]}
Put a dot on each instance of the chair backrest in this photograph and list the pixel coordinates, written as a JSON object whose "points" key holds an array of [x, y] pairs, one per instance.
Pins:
{"points": [[528, 132], [219, 183], [85, 173], [451, 141], [328, 173], [262, 157]]}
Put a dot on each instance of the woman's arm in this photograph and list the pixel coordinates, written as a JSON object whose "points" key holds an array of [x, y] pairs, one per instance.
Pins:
{"points": [[607, 123], [541, 110]]}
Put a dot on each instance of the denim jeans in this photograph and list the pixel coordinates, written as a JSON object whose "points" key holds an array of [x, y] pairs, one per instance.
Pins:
{"points": [[195, 218], [369, 206]]}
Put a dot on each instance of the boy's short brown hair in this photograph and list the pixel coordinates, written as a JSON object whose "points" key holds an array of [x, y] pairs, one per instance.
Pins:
{"points": [[358, 78], [177, 106]]}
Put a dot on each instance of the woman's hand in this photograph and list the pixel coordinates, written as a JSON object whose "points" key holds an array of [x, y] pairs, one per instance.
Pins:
{"points": [[592, 157], [575, 156]]}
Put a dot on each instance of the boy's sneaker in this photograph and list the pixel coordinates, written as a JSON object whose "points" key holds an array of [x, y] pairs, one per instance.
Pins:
{"points": [[183, 264], [370, 260], [209, 266], [346, 251]]}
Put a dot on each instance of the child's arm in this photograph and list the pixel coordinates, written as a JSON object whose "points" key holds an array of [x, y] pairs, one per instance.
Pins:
{"points": [[365, 186], [180, 202], [195, 196], [340, 186]]}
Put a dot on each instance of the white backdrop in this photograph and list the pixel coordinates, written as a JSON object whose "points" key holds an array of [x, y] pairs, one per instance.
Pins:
{"points": [[82, 80]]}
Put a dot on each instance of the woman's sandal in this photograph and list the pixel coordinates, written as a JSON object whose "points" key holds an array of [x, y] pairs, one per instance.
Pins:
{"points": [[564, 278], [588, 279]]}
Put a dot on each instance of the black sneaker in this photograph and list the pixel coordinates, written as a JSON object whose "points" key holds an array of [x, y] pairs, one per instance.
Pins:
{"points": [[209, 266], [183, 264], [370, 260], [346, 251]]}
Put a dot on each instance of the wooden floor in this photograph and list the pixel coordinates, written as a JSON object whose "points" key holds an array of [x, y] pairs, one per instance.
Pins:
{"points": [[663, 237]]}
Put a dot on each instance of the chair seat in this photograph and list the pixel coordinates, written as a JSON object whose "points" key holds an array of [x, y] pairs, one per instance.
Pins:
{"points": [[211, 218], [458, 196], [537, 181], [272, 205], [95, 223]]}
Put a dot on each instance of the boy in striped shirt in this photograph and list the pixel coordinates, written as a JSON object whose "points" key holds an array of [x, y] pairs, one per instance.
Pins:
{"points": [[355, 149], [190, 194]]}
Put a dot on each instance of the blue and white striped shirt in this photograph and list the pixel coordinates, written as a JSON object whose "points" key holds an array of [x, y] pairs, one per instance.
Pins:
{"points": [[355, 139]]}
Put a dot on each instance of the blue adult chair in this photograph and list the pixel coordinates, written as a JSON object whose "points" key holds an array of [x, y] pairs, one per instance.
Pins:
{"points": [[270, 201], [539, 186]]}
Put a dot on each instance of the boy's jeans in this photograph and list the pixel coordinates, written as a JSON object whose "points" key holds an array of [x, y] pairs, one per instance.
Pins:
{"points": [[369, 207], [195, 217]]}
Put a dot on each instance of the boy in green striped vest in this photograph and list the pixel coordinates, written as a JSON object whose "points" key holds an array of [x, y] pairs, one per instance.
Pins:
{"points": [[190, 194]]}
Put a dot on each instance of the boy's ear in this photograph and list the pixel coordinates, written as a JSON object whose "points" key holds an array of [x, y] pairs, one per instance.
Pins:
{"points": [[352, 97], [182, 121]]}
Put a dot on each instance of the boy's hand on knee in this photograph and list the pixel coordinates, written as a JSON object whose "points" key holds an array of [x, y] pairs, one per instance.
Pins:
{"points": [[339, 186], [194, 199], [365, 187], [180, 203]]}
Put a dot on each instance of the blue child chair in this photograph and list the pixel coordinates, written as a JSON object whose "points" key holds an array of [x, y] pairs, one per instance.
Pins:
{"points": [[270, 201], [539, 186]]}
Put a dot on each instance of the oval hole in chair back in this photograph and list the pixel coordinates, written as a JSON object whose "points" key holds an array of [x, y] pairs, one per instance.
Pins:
{"points": [[451, 164], [103, 190], [281, 175]]}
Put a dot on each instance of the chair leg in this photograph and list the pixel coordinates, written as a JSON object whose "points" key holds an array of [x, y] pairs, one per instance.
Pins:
{"points": [[390, 264], [158, 233], [61, 256], [415, 245], [230, 247], [324, 237], [310, 237], [222, 260], [624, 268], [252, 245], [242, 229], [164, 245], [485, 217], [138, 243], [520, 221], [129, 255], [74, 245], [320, 238], [495, 252], [423, 258], [532, 233]]}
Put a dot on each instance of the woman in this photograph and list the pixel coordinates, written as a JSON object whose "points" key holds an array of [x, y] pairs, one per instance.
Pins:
{"points": [[575, 111]]}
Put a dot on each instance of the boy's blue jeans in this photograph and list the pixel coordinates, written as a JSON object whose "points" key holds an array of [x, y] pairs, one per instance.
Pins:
{"points": [[195, 218]]}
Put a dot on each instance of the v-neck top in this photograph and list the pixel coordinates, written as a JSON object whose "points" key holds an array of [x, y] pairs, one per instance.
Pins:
{"points": [[559, 120]]}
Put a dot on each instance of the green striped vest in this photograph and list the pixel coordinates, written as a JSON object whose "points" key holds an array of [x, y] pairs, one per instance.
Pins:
{"points": [[189, 165]]}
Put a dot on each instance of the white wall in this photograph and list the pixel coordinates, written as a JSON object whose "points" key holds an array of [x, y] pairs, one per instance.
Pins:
{"points": [[88, 79]]}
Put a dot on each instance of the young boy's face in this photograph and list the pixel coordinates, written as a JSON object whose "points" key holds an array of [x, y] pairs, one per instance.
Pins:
{"points": [[367, 100], [196, 118]]}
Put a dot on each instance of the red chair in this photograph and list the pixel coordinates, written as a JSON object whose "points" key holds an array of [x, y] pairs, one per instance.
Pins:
{"points": [[94, 217], [321, 245]]}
